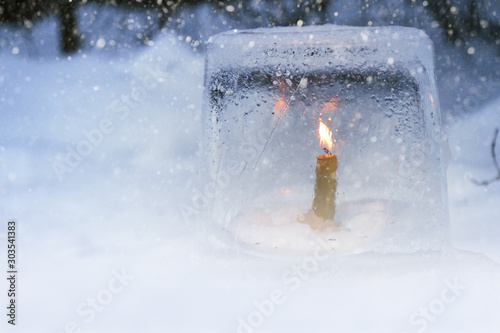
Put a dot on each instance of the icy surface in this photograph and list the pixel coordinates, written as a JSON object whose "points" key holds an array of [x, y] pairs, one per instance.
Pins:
{"points": [[121, 208]]}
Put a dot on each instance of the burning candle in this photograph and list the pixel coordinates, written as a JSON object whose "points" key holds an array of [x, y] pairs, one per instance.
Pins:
{"points": [[323, 207], [326, 177]]}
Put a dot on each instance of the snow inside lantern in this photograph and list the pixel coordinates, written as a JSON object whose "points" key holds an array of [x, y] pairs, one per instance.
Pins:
{"points": [[325, 134]]}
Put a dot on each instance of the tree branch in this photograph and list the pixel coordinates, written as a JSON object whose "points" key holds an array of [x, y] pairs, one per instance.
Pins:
{"points": [[495, 163]]}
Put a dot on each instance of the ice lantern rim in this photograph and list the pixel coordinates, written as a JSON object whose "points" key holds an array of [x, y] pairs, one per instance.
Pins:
{"points": [[410, 43]]}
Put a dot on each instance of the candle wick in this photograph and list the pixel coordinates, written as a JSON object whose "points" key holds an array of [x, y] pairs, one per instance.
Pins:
{"points": [[326, 151]]}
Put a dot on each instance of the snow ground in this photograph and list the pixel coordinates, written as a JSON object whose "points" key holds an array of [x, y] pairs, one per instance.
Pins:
{"points": [[116, 213]]}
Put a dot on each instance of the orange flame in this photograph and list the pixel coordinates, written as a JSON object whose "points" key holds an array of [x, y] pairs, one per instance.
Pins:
{"points": [[325, 136]]}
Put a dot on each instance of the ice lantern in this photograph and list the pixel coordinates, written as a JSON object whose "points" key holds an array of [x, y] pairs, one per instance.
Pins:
{"points": [[270, 179]]}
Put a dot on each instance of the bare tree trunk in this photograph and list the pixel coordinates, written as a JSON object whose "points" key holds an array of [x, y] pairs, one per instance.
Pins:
{"points": [[70, 39]]}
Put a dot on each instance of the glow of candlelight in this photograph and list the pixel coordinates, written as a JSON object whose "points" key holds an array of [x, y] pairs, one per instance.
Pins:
{"points": [[330, 106]]}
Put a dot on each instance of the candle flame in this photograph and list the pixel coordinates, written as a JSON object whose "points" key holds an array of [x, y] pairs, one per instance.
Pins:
{"points": [[325, 136]]}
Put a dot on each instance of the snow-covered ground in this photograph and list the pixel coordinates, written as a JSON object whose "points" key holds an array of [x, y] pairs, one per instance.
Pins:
{"points": [[98, 154]]}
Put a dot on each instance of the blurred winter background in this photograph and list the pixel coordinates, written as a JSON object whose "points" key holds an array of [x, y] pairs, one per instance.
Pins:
{"points": [[122, 81]]}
